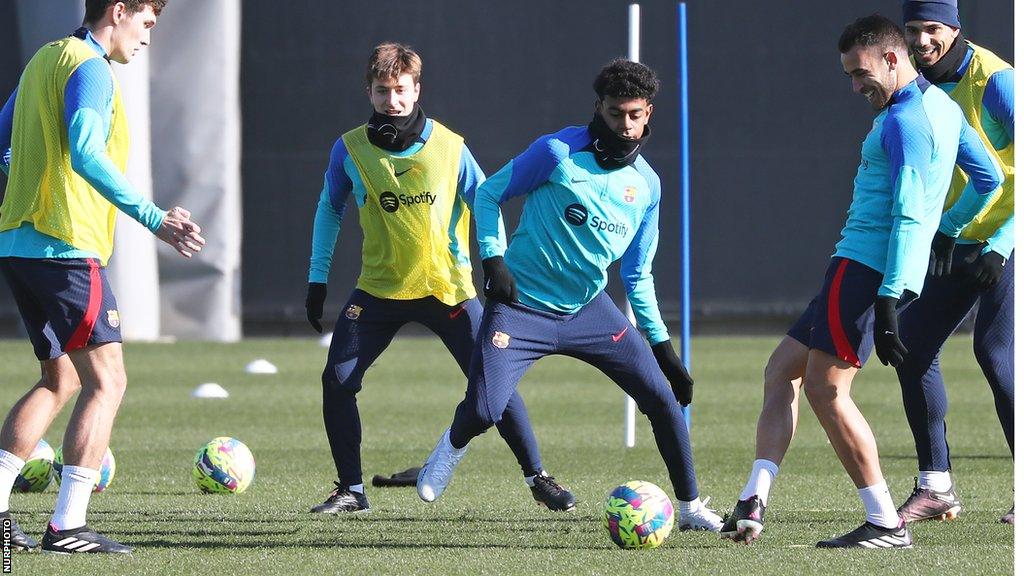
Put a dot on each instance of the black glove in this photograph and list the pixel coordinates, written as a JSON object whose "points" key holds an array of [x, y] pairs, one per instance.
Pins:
{"points": [[499, 285], [672, 366], [940, 262], [315, 296], [988, 268], [888, 346]]}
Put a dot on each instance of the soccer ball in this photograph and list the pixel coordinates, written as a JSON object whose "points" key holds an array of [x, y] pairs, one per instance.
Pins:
{"points": [[107, 469], [35, 474], [224, 466], [638, 515]]}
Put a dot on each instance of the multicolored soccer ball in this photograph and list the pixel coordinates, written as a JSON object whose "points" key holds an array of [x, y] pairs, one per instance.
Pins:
{"points": [[224, 466], [35, 474], [638, 515], [107, 469]]}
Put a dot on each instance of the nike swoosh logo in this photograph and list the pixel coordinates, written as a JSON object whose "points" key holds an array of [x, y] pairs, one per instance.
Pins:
{"points": [[455, 313], [619, 336], [575, 181], [398, 174]]}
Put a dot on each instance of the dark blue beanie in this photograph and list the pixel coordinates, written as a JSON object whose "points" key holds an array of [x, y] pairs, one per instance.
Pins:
{"points": [[931, 10]]}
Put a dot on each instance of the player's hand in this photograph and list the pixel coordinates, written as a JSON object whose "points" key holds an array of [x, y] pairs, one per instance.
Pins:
{"points": [[499, 285], [988, 268], [181, 232], [940, 262], [888, 346], [672, 366], [315, 296]]}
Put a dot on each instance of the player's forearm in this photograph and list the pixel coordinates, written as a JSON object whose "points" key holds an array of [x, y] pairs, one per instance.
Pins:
{"points": [[966, 208], [326, 225], [490, 229], [1002, 240], [645, 307], [90, 161], [907, 258]]}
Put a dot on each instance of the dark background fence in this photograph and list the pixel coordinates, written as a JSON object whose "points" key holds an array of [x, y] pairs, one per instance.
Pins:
{"points": [[775, 128]]}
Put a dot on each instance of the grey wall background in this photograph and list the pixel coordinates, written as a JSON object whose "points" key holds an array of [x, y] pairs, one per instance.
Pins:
{"points": [[775, 129]]}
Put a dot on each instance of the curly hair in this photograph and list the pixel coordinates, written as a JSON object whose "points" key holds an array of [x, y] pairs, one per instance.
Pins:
{"points": [[623, 78], [94, 9]]}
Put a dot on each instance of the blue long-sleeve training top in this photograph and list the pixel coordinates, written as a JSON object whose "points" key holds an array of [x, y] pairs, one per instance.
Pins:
{"points": [[578, 218], [88, 108], [906, 167], [342, 180]]}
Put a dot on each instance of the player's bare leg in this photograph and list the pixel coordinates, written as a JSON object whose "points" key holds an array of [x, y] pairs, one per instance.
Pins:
{"points": [[32, 415], [776, 426], [101, 370], [827, 384]]}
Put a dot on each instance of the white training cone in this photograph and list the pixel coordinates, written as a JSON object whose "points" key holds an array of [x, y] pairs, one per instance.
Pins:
{"points": [[209, 390], [260, 366], [325, 340]]}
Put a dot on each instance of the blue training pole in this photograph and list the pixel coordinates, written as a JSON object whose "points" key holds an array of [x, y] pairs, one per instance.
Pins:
{"points": [[684, 199]]}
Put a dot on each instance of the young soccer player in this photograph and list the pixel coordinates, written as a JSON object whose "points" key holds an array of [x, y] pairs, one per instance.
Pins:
{"points": [[413, 181], [906, 165], [65, 135], [973, 265], [591, 199]]}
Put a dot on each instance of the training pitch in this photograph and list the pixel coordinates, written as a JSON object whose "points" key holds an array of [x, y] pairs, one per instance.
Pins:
{"points": [[487, 523]]}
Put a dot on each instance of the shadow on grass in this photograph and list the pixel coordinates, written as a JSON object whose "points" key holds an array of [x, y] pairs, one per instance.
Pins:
{"points": [[206, 544]]}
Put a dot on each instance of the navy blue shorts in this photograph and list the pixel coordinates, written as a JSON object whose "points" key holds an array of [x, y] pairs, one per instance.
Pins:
{"points": [[840, 320], [66, 304]]}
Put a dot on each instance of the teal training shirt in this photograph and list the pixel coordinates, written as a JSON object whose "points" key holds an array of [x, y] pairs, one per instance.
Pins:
{"points": [[578, 219], [906, 167]]}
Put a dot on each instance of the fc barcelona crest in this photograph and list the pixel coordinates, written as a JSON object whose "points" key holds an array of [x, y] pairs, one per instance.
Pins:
{"points": [[629, 195], [353, 312], [113, 318], [500, 339]]}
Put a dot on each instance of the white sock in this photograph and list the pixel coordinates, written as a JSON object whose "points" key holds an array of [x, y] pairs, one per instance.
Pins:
{"points": [[356, 488], [929, 479], [691, 506], [10, 467], [760, 483], [530, 479], [76, 484], [879, 506]]}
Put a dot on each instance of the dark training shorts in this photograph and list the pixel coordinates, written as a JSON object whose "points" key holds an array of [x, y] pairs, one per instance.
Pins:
{"points": [[66, 304], [840, 320]]}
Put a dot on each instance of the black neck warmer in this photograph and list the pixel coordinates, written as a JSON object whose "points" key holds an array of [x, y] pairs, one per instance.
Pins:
{"points": [[396, 133], [945, 70], [611, 150]]}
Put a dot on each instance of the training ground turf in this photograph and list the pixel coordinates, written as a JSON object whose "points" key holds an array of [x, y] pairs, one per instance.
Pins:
{"points": [[487, 523]]}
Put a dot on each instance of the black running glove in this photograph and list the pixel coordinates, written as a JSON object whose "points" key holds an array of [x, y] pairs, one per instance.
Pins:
{"points": [[940, 262], [988, 268], [315, 296], [672, 366], [499, 285], [888, 346]]}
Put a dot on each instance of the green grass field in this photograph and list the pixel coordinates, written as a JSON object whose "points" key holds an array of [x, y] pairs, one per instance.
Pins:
{"points": [[487, 523]]}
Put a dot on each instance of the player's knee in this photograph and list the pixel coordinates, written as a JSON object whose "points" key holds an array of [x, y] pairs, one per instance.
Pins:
{"points": [[821, 393], [342, 378]]}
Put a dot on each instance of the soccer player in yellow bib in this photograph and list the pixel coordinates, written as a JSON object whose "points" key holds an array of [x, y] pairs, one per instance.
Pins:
{"points": [[414, 181], [972, 265], [65, 141]]}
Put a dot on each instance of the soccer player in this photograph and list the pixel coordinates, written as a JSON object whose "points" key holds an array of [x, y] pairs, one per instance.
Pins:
{"points": [[907, 162], [972, 265], [413, 181], [591, 199], [65, 138]]}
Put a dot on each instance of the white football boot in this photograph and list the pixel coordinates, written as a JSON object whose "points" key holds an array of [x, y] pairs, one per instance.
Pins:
{"points": [[438, 469], [703, 518]]}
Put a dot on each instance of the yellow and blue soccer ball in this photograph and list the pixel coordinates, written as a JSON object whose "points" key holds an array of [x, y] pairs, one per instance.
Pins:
{"points": [[224, 466], [638, 515], [35, 474], [107, 469]]}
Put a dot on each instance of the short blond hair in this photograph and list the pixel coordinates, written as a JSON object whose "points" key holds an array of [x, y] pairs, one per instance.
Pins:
{"points": [[391, 60]]}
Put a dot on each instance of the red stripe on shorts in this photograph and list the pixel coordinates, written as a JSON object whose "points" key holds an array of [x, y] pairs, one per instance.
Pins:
{"points": [[80, 339], [835, 320]]}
